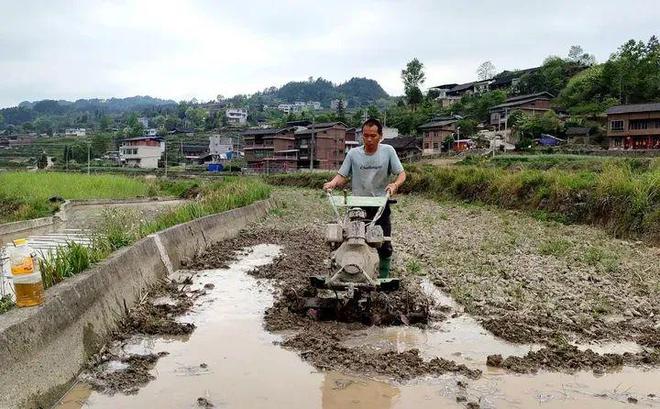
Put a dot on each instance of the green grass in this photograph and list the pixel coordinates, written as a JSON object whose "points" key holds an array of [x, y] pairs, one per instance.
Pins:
{"points": [[557, 247], [24, 195], [217, 197], [121, 228], [6, 304], [414, 266]]}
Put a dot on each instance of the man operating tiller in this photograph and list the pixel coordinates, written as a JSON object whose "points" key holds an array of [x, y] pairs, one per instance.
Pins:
{"points": [[370, 168]]}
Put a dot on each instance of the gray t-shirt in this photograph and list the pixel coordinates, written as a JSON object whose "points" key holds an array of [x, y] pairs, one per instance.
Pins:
{"points": [[370, 173]]}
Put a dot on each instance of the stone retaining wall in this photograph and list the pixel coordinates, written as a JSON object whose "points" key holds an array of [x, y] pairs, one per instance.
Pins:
{"points": [[42, 349]]}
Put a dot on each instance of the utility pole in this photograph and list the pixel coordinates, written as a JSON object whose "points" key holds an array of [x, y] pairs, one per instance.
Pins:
{"points": [[165, 145], [311, 145], [89, 145]]}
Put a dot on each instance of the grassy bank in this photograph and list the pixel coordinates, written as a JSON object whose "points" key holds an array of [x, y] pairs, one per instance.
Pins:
{"points": [[563, 162], [25, 195], [621, 197], [122, 228]]}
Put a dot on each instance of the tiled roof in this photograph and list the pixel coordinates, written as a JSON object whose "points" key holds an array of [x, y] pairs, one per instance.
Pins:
{"points": [[628, 109]]}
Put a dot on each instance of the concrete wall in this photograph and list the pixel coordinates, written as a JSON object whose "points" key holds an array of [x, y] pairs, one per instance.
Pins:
{"points": [[42, 349]]}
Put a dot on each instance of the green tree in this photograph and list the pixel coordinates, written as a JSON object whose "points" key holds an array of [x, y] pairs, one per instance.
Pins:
{"points": [[413, 77], [341, 111], [373, 112], [104, 123], [135, 127], [101, 143], [2, 119], [357, 118], [468, 127], [197, 117]]}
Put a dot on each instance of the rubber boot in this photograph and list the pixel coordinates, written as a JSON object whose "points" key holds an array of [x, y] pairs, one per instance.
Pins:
{"points": [[384, 267]]}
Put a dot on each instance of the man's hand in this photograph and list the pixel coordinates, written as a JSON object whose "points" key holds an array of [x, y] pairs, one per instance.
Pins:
{"points": [[328, 186], [392, 188]]}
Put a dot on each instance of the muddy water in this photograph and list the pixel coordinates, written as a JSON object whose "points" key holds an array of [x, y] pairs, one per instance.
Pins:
{"points": [[231, 361]]}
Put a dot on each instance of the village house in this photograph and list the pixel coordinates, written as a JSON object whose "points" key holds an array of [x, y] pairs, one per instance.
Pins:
{"points": [[220, 147], [195, 153], [534, 104], [407, 148], [634, 127], [143, 152], [327, 146], [270, 150], [75, 132], [236, 116], [435, 132]]}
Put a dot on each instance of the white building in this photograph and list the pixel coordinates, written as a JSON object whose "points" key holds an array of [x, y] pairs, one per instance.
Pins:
{"points": [[335, 103], [144, 152], [220, 148], [151, 132], [299, 106], [390, 133], [236, 116], [144, 121], [75, 132]]}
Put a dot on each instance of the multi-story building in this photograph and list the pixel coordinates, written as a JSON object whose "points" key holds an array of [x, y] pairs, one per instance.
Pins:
{"points": [[143, 152], [270, 149], [220, 148], [435, 132], [325, 141], [144, 121], [635, 127], [534, 104], [236, 116]]}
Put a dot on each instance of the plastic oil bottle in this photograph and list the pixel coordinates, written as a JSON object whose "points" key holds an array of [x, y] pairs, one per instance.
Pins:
{"points": [[28, 286]]}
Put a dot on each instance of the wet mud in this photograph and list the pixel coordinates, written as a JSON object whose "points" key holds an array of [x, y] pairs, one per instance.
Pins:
{"points": [[318, 338], [114, 370], [570, 358]]}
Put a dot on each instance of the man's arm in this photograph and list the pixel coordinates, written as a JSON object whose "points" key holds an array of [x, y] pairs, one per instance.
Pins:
{"points": [[337, 181], [397, 168], [394, 186]]}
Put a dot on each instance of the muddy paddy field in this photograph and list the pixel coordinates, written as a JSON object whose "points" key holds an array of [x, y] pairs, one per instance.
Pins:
{"points": [[496, 310]]}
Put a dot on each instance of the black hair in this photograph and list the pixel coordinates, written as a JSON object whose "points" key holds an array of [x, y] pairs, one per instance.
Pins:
{"points": [[372, 122]]}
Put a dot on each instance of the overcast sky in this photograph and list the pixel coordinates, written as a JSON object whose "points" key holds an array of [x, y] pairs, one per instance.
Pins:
{"points": [[180, 50]]}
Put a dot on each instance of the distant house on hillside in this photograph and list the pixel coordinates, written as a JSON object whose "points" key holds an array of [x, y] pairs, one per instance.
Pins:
{"points": [[535, 104], [635, 127], [143, 152], [435, 132], [75, 132], [236, 116]]}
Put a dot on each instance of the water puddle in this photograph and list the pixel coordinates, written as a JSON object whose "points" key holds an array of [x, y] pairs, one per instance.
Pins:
{"points": [[231, 361]]}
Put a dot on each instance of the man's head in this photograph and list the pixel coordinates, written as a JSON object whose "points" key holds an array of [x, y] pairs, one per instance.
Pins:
{"points": [[372, 132]]}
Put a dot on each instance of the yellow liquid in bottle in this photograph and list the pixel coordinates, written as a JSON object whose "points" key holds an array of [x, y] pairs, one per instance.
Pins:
{"points": [[29, 294]]}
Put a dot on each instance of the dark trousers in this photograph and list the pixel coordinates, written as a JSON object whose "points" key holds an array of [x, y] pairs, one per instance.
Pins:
{"points": [[384, 251]]}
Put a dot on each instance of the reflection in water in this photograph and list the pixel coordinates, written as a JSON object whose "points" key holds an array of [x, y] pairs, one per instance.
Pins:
{"points": [[243, 368], [343, 391]]}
